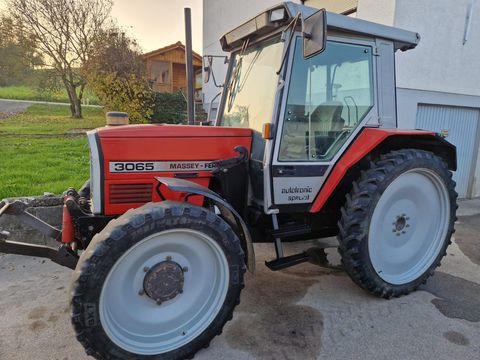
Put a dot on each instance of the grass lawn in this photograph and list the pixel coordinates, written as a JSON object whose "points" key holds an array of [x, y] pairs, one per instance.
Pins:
{"points": [[38, 155], [30, 93]]}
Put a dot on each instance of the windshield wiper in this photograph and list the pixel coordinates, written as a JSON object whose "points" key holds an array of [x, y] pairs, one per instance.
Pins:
{"points": [[236, 72], [292, 25]]}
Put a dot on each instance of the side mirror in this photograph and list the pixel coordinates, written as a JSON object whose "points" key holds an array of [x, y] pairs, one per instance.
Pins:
{"points": [[315, 34]]}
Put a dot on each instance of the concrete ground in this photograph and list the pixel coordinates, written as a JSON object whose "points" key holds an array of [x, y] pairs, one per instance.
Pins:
{"points": [[301, 313]]}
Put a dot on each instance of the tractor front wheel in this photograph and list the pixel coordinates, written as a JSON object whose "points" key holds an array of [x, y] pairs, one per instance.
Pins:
{"points": [[159, 282], [397, 222]]}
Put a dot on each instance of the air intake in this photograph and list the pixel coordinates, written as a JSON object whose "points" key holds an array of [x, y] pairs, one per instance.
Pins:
{"points": [[130, 193]]}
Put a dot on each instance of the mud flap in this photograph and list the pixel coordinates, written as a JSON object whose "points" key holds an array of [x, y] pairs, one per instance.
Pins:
{"points": [[229, 214]]}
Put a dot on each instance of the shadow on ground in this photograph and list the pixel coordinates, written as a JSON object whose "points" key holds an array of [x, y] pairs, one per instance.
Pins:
{"points": [[456, 298], [468, 238], [271, 299]]}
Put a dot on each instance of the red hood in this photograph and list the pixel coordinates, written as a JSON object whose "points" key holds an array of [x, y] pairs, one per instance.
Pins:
{"points": [[162, 130]]}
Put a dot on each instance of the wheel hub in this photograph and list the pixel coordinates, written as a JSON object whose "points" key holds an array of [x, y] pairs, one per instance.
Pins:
{"points": [[400, 224], [164, 281]]}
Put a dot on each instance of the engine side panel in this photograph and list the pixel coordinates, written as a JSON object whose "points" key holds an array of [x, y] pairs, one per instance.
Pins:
{"points": [[130, 161]]}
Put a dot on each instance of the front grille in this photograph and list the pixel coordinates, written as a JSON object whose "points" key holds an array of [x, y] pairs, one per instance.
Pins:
{"points": [[130, 193]]}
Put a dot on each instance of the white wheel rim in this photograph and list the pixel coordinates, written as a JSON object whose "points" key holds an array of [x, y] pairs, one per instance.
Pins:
{"points": [[409, 226], [135, 322]]}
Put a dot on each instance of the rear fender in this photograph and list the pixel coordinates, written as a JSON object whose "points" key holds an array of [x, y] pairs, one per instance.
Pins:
{"points": [[371, 143], [229, 214]]}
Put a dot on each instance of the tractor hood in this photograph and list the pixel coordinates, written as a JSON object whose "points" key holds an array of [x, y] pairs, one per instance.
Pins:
{"points": [[162, 130], [126, 159]]}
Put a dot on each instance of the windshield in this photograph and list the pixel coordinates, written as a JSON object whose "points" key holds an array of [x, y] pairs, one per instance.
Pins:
{"points": [[253, 82]]}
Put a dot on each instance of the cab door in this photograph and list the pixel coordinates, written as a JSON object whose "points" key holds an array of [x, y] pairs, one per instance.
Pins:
{"points": [[329, 98]]}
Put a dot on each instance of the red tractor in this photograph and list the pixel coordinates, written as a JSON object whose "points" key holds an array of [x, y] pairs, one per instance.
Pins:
{"points": [[305, 146]]}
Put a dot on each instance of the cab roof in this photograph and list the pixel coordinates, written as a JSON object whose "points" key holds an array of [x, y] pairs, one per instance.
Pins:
{"points": [[402, 39]]}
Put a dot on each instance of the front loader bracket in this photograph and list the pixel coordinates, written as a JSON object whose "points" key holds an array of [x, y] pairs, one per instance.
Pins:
{"points": [[18, 209], [63, 255]]}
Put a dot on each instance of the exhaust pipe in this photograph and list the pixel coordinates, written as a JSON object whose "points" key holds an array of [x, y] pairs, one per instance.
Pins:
{"points": [[189, 66]]}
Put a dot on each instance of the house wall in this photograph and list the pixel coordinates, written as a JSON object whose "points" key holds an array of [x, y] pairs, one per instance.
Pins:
{"points": [[441, 62], [175, 56], [176, 59]]}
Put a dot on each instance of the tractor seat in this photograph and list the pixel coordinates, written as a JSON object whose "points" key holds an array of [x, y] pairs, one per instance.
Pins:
{"points": [[327, 117]]}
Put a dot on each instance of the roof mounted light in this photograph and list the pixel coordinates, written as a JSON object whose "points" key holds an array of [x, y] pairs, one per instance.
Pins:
{"points": [[256, 27], [278, 14]]}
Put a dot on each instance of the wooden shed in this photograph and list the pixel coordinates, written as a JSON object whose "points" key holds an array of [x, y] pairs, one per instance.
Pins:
{"points": [[166, 69]]}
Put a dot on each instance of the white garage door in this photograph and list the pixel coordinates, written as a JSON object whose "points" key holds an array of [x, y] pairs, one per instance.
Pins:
{"points": [[461, 124]]}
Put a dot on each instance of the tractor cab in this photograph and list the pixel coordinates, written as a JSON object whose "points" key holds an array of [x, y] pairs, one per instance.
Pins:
{"points": [[307, 82]]}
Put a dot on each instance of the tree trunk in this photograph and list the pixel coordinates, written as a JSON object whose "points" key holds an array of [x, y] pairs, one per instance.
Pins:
{"points": [[77, 109], [75, 104]]}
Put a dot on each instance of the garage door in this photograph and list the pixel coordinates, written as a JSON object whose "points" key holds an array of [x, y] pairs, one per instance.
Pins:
{"points": [[461, 125]]}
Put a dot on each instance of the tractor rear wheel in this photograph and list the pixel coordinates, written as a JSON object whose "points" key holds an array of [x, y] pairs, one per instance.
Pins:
{"points": [[397, 222], [159, 282]]}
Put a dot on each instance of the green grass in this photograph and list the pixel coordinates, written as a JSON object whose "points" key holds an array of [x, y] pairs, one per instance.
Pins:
{"points": [[23, 92], [37, 155]]}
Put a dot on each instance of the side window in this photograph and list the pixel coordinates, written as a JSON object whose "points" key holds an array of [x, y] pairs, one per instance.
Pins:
{"points": [[328, 96]]}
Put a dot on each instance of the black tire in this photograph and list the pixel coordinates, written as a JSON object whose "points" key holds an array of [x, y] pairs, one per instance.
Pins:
{"points": [[123, 233], [357, 213]]}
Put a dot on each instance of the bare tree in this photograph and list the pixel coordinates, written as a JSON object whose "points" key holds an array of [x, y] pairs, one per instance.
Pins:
{"points": [[65, 33]]}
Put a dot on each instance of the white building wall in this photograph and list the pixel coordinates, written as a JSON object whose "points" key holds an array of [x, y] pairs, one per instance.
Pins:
{"points": [[441, 62], [369, 10]]}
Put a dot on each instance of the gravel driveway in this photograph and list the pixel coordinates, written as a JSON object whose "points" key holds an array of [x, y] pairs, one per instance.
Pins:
{"points": [[301, 313]]}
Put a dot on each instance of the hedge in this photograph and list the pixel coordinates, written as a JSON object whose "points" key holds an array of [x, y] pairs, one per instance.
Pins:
{"points": [[171, 108]]}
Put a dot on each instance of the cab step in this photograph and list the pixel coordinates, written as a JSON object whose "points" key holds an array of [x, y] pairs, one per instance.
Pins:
{"points": [[290, 231], [287, 261], [314, 255]]}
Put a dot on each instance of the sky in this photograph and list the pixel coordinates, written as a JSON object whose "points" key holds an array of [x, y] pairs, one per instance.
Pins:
{"points": [[157, 23]]}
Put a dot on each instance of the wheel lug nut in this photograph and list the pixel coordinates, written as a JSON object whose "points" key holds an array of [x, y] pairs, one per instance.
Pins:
{"points": [[141, 292], [168, 258], [403, 232], [180, 291], [185, 269], [146, 268], [398, 234], [408, 225], [159, 302]]}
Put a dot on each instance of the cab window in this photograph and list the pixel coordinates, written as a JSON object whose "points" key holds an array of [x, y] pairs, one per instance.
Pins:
{"points": [[328, 97]]}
